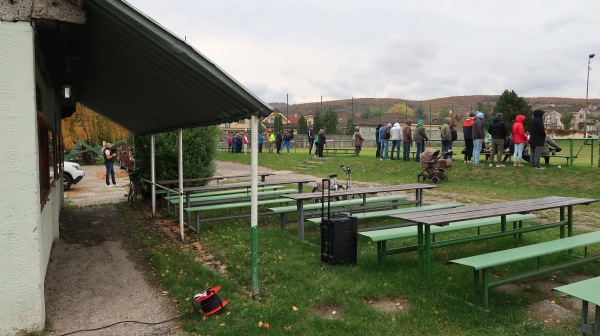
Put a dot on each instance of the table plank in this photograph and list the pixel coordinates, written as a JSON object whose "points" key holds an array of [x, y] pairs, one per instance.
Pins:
{"points": [[445, 217], [359, 191], [586, 290], [216, 177]]}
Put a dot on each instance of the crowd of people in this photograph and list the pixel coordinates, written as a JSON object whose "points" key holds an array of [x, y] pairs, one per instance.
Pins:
{"points": [[499, 143]]}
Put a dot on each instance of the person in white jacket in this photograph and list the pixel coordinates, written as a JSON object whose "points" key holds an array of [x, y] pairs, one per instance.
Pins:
{"points": [[396, 137]]}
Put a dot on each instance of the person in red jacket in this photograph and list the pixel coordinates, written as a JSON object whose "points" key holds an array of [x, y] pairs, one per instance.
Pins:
{"points": [[519, 139], [468, 135]]}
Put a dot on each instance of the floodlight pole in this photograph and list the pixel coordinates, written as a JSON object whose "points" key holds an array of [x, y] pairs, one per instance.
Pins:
{"points": [[587, 86]]}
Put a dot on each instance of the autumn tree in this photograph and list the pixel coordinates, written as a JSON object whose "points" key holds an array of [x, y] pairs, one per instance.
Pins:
{"points": [[350, 126], [420, 113], [401, 109]]}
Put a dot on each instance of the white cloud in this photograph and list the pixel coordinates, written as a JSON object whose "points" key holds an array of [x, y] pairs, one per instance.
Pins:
{"points": [[397, 49]]}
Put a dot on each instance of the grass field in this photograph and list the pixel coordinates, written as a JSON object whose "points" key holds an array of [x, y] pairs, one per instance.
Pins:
{"points": [[300, 295]]}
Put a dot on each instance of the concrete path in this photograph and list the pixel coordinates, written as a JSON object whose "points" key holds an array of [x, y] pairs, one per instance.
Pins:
{"points": [[95, 277]]}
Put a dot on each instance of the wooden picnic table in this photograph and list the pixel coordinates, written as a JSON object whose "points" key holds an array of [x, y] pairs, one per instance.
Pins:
{"points": [[300, 197], [214, 178], [424, 220], [189, 190]]}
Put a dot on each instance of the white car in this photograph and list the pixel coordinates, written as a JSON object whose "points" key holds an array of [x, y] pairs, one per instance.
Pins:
{"points": [[72, 174]]}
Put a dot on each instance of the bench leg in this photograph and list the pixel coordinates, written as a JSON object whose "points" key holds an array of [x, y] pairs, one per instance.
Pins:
{"points": [[381, 247], [300, 214], [420, 252], [562, 218], [428, 252], [197, 221], [485, 298], [282, 217]]}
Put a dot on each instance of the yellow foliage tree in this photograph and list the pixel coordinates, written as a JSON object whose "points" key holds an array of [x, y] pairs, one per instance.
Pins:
{"points": [[401, 109], [87, 125]]}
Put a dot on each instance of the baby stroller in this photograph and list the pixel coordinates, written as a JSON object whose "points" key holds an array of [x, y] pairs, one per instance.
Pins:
{"points": [[434, 166]]}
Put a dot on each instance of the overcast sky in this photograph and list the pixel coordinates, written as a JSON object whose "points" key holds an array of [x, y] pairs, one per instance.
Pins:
{"points": [[392, 49]]}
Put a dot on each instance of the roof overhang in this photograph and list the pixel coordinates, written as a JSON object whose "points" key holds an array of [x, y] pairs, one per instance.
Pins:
{"points": [[126, 67]]}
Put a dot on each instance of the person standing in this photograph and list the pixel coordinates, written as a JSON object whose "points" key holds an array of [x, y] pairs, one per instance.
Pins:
{"points": [[519, 139], [358, 140], [261, 141], [245, 142], [278, 141], [420, 137], [446, 136], [478, 135], [537, 138], [271, 140], [311, 139], [384, 135], [378, 142], [287, 138], [468, 136], [109, 156], [321, 143], [498, 132], [396, 137], [407, 139], [229, 142]]}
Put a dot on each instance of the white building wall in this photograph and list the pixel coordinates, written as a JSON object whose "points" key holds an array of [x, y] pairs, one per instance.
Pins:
{"points": [[21, 280]]}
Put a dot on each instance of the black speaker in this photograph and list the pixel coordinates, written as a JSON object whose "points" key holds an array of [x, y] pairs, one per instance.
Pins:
{"points": [[338, 239]]}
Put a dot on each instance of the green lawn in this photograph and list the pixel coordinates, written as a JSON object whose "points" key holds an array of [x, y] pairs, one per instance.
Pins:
{"points": [[295, 285]]}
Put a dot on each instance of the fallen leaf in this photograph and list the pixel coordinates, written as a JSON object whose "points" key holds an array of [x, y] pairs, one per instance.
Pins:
{"points": [[222, 325], [260, 324], [268, 326], [333, 312], [295, 308]]}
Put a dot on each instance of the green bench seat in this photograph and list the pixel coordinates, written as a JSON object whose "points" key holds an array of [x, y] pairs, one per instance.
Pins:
{"points": [[226, 192], [482, 264], [197, 209], [587, 291], [244, 195], [382, 236], [386, 213]]}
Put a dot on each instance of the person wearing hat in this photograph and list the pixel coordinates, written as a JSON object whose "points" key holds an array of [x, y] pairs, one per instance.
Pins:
{"points": [[420, 138], [478, 136]]}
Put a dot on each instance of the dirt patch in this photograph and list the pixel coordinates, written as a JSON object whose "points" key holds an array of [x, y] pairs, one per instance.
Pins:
{"points": [[390, 306], [118, 174], [331, 312]]}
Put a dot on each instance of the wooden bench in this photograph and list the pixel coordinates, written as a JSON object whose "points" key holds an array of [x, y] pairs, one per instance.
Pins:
{"points": [[197, 209], [382, 236], [587, 291], [482, 264], [386, 213], [393, 199]]}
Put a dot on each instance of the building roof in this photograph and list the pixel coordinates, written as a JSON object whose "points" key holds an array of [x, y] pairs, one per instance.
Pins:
{"points": [[136, 73]]}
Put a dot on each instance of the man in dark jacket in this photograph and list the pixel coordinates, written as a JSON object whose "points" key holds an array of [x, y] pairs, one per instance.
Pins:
{"points": [[478, 136], [537, 137], [498, 132], [311, 139], [321, 143]]}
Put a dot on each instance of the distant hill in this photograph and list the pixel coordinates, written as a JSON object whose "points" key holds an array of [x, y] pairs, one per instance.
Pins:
{"points": [[458, 104]]}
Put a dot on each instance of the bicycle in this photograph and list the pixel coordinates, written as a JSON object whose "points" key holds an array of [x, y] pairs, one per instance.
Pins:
{"points": [[135, 182], [336, 185]]}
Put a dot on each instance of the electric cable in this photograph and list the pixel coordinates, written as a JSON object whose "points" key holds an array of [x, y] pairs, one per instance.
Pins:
{"points": [[139, 322]]}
